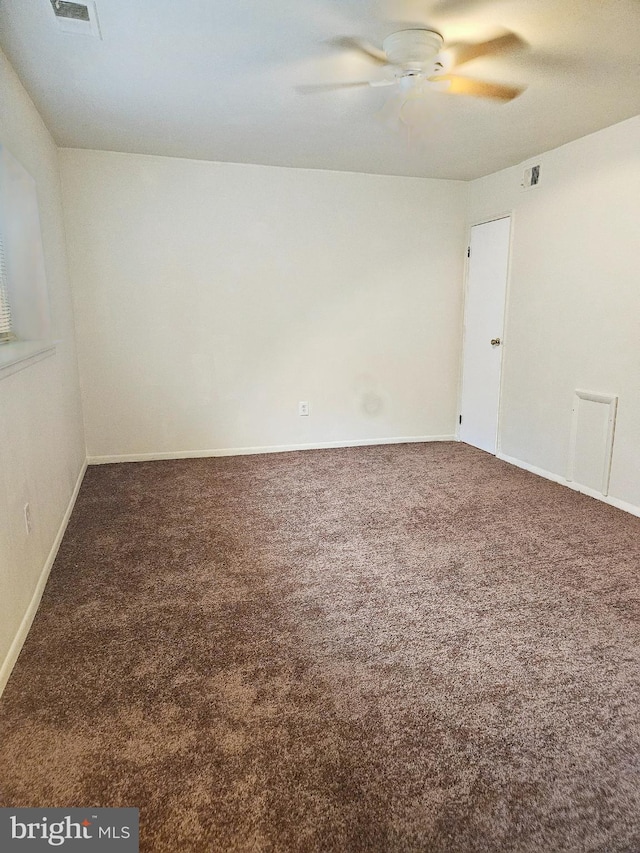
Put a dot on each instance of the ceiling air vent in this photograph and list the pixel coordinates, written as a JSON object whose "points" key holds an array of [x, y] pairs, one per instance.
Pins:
{"points": [[531, 177], [79, 18]]}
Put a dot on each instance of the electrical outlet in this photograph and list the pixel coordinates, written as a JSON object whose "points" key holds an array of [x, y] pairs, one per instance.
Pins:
{"points": [[27, 518], [303, 409]]}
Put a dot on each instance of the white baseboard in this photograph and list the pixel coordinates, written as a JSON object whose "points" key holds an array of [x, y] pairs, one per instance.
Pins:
{"points": [[18, 641], [274, 448], [585, 490]]}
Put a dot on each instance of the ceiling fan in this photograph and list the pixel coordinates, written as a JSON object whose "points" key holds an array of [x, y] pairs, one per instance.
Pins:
{"points": [[415, 61]]}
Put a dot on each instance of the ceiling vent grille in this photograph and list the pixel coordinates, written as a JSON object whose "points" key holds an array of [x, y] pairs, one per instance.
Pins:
{"points": [[530, 177], [77, 11], [79, 18]]}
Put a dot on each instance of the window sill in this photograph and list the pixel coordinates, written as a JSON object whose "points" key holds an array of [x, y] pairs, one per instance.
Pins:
{"points": [[17, 355]]}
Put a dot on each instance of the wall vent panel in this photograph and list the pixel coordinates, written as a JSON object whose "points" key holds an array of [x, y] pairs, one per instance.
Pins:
{"points": [[592, 435]]}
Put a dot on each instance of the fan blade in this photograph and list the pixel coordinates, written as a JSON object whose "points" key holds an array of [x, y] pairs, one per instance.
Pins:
{"points": [[330, 87], [376, 84], [464, 52], [478, 88], [362, 47], [459, 6]]}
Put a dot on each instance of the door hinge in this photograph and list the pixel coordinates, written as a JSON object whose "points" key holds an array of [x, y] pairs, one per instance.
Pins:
{"points": [[468, 251], [460, 419]]}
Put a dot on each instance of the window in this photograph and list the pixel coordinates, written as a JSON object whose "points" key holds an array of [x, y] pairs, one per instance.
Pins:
{"points": [[25, 324], [6, 333]]}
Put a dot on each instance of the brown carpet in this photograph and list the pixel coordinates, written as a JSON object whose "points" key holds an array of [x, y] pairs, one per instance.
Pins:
{"points": [[401, 648]]}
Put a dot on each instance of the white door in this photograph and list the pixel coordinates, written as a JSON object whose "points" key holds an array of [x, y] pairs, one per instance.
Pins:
{"points": [[483, 331]]}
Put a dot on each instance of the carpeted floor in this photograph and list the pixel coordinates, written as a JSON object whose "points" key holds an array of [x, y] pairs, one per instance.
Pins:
{"points": [[400, 648]]}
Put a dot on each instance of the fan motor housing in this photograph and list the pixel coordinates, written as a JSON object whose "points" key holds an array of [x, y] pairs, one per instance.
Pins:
{"points": [[413, 48]]}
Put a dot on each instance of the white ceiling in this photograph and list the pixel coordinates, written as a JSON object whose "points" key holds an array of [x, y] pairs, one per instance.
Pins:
{"points": [[216, 80]]}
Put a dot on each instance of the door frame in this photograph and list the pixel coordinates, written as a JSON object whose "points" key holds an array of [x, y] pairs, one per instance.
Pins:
{"points": [[505, 332]]}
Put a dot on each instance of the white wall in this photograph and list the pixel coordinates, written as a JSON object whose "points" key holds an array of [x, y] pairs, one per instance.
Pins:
{"points": [[211, 298], [41, 434], [574, 305]]}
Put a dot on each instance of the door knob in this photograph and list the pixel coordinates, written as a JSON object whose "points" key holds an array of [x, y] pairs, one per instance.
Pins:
{"points": [[495, 342]]}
